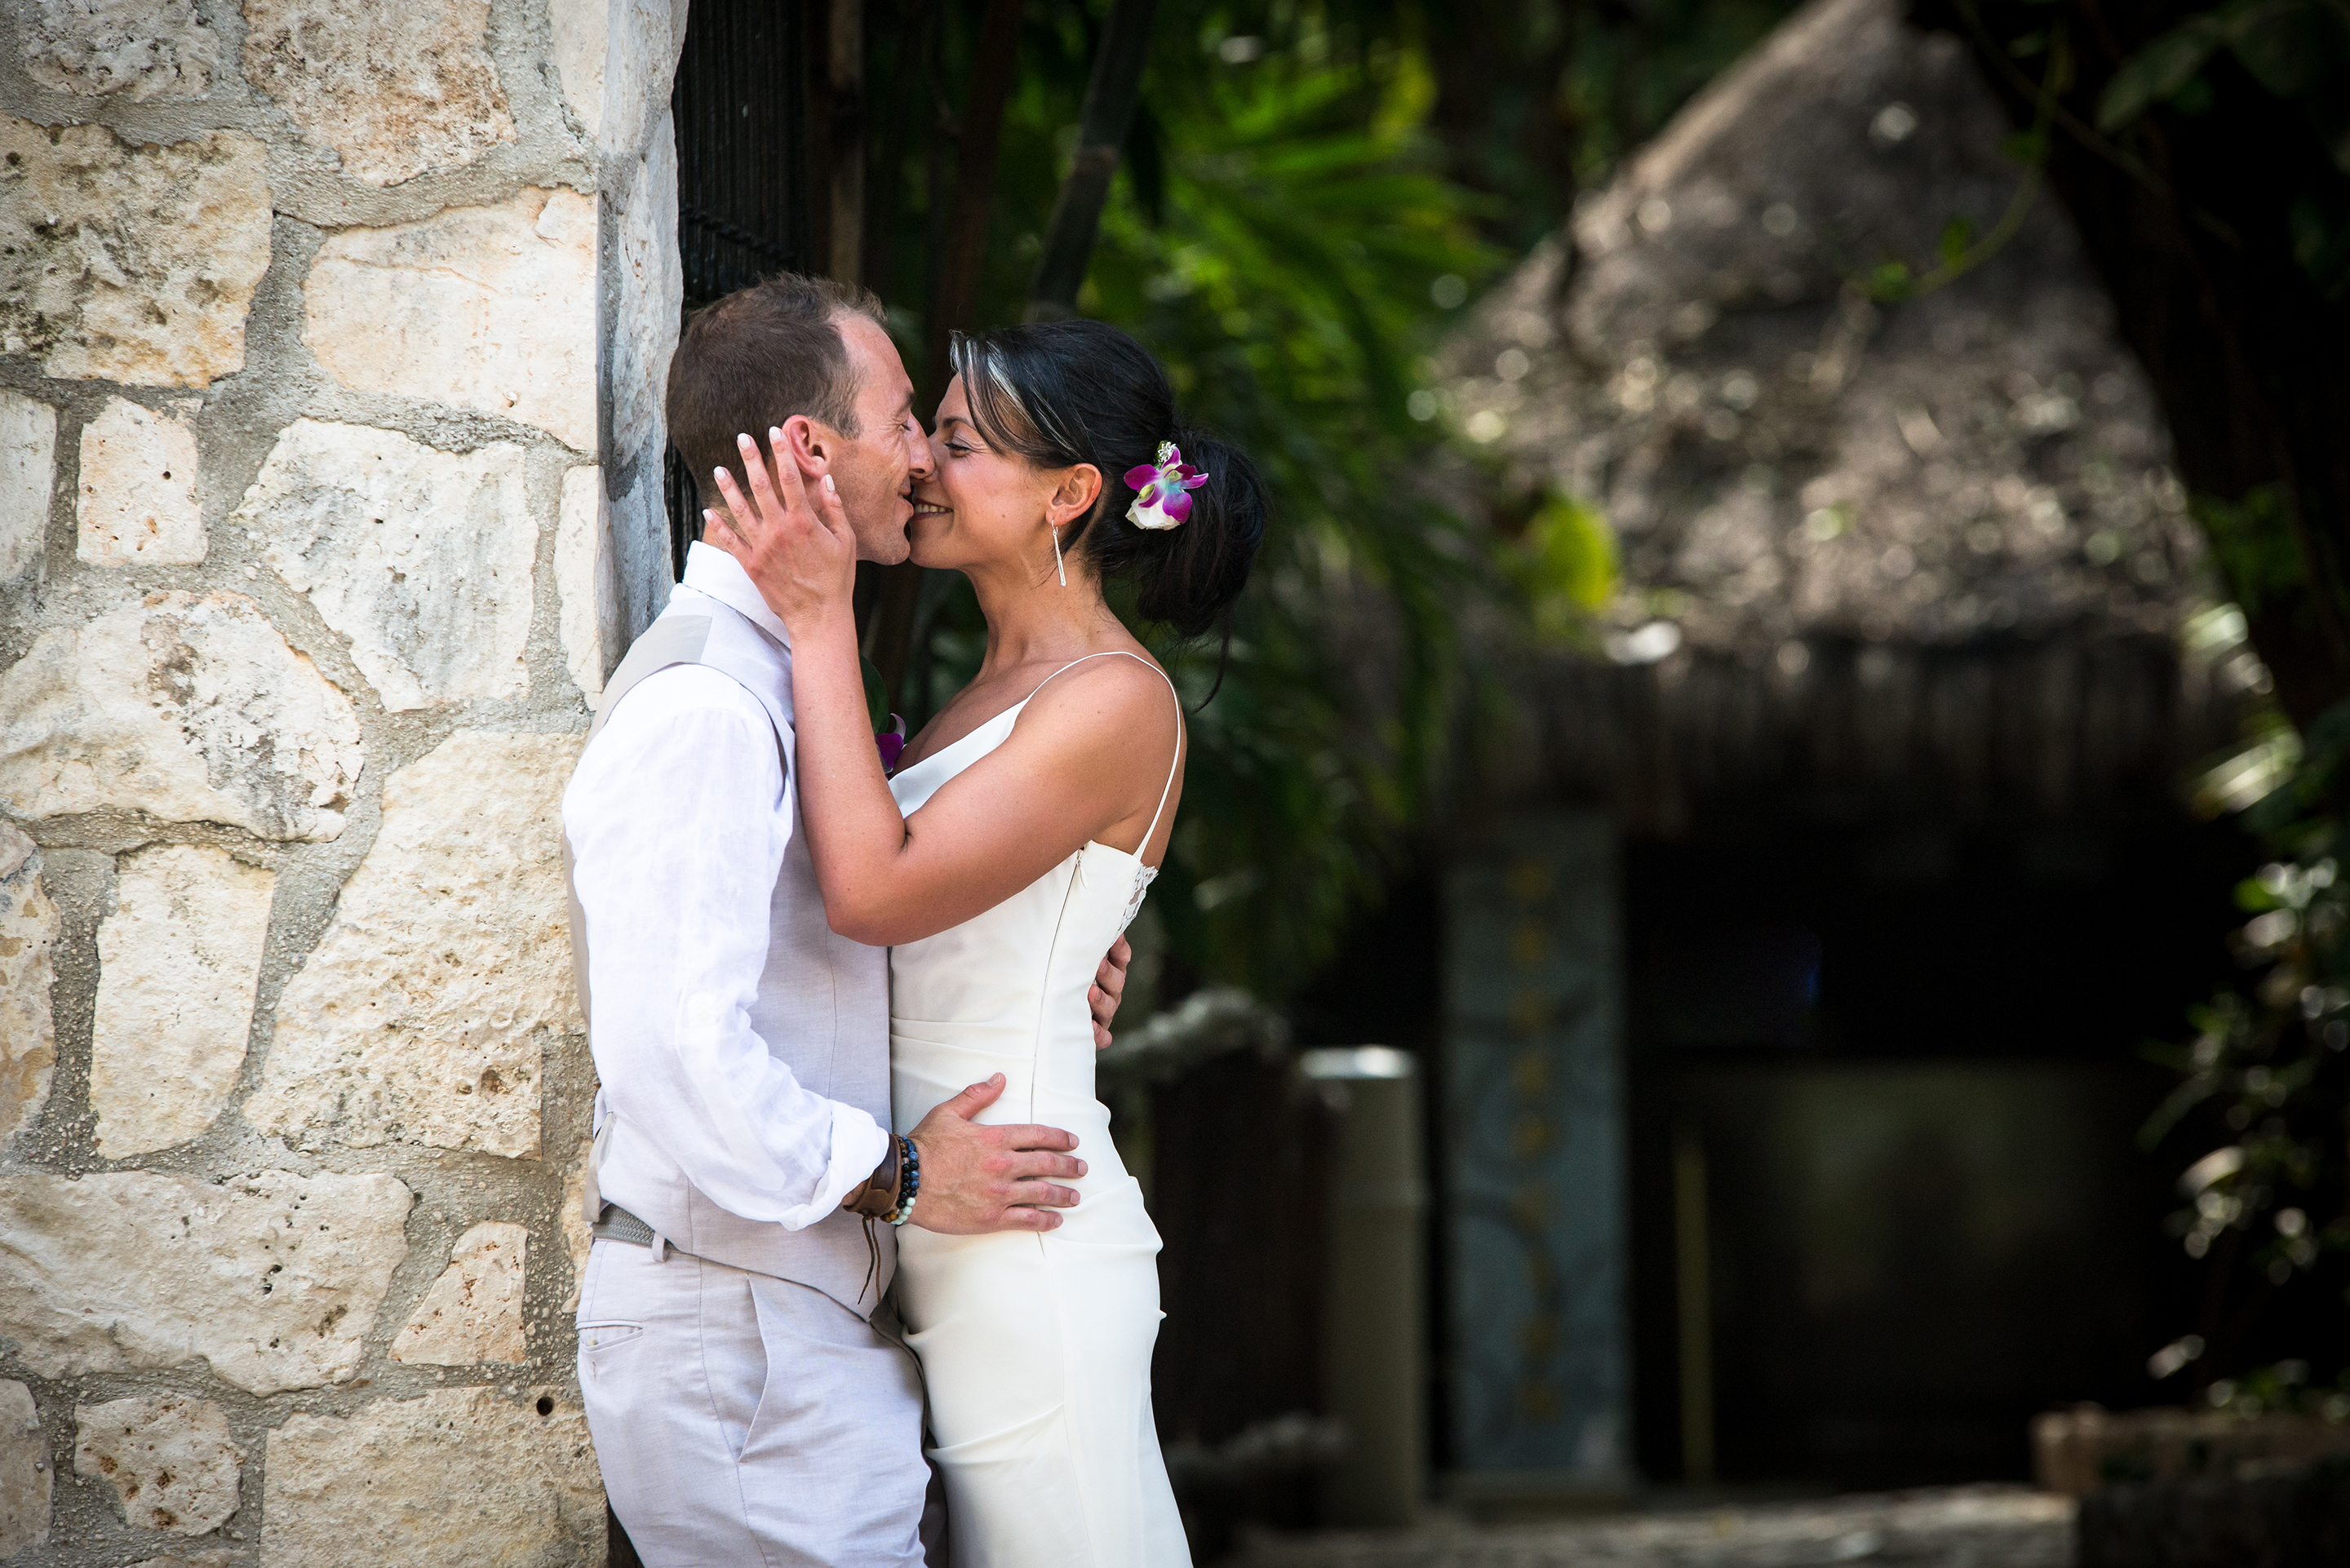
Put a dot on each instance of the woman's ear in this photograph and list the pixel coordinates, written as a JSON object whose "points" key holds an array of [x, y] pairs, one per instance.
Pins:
{"points": [[1074, 497]]}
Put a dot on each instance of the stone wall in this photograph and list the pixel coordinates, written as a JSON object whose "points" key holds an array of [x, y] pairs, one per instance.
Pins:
{"points": [[331, 341]]}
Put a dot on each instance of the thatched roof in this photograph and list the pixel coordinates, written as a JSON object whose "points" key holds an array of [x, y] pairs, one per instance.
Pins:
{"points": [[1926, 547], [2012, 732]]}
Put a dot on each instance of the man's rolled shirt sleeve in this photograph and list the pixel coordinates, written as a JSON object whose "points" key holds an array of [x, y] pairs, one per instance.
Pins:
{"points": [[677, 820]]}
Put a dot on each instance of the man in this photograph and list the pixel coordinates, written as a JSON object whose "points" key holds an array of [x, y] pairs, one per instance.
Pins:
{"points": [[738, 1357]]}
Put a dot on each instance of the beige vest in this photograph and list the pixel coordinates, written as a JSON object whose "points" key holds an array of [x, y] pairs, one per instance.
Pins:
{"points": [[823, 1004]]}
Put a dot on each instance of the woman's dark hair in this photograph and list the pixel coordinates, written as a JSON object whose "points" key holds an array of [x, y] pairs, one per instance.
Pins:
{"points": [[1060, 393]]}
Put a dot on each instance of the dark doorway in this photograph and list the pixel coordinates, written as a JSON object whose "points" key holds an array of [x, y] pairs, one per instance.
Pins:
{"points": [[1897, 1071]]}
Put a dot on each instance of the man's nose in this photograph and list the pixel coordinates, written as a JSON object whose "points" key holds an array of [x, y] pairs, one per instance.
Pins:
{"points": [[924, 464]]}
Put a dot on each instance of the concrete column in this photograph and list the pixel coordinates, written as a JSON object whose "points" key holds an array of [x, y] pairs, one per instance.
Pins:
{"points": [[1375, 1341]]}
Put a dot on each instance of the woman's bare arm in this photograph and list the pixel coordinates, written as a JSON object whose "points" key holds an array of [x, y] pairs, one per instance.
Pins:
{"points": [[1091, 746]]}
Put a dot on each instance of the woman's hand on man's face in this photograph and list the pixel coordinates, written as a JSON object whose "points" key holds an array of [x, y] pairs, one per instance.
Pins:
{"points": [[792, 538]]}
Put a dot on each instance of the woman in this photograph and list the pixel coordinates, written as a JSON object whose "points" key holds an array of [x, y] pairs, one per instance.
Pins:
{"points": [[1013, 845]]}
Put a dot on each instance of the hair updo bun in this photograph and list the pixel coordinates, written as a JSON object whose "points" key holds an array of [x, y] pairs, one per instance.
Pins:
{"points": [[1060, 393]]}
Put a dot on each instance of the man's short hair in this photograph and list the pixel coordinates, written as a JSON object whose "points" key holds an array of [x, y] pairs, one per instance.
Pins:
{"points": [[756, 356]]}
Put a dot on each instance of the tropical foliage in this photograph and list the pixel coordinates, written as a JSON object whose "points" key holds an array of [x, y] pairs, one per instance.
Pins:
{"points": [[1276, 248], [1310, 195], [2259, 1113], [2204, 151]]}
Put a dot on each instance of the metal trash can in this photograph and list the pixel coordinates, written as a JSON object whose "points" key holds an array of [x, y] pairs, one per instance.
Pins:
{"points": [[1375, 1338]]}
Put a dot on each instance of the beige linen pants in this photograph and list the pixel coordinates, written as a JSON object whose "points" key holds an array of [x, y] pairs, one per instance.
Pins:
{"points": [[741, 1420]]}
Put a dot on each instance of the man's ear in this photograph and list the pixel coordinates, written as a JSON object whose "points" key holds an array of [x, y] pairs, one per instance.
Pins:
{"points": [[1080, 486], [810, 444]]}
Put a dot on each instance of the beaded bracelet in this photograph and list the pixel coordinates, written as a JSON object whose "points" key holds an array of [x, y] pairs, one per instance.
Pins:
{"points": [[909, 1180]]}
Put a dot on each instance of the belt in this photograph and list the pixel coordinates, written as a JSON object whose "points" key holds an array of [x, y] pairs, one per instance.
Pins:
{"points": [[617, 1224], [614, 1223]]}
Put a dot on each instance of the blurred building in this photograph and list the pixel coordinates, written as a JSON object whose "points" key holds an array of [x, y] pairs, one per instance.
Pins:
{"points": [[1797, 959]]}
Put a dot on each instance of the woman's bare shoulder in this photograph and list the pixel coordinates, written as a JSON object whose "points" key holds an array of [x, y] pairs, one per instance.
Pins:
{"points": [[1117, 676], [1107, 696]]}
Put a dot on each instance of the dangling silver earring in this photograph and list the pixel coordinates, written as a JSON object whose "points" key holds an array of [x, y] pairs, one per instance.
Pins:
{"points": [[1062, 570]]}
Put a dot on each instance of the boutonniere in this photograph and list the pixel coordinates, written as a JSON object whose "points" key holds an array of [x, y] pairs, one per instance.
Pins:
{"points": [[888, 729]]}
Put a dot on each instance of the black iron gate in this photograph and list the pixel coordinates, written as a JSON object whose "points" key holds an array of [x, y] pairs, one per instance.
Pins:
{"points": [[739, 106]]}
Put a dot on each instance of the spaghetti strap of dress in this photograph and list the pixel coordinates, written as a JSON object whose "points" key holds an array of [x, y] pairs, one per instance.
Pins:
{"points": [[1168, 788]]}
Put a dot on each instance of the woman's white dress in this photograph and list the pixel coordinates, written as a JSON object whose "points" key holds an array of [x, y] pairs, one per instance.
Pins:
{"points": [[1035, 1347]]}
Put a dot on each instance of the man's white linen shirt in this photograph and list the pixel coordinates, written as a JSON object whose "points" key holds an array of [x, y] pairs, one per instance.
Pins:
{"points": [[678, 818]]}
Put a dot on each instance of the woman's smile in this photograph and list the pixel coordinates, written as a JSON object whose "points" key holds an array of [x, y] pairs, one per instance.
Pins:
{"points": [[924, 508]]}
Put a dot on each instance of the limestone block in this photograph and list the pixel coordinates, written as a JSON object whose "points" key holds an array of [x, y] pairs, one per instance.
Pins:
{"points": [[589, 581], [459, 1479], [140, 48], [275, 1279], [169, 1460], [579, 31], [189, 709], [638, 537], [484, 307], [573, 1218], [28, 1043], [134, 263], [138, 505], [639, 63], [26, 1478], [473, 1311], [177, 962], [422, 1014], [421, 558], [28, 466], [393, 89], [651, 298]]}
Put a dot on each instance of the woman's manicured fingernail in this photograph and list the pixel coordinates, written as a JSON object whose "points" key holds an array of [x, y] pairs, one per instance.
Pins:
{"points": [[743, 438], [718, 473], [827, 485], [775, 432]]}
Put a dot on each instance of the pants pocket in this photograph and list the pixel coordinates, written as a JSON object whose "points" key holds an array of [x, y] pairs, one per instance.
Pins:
{"points": [[599, 1340]]}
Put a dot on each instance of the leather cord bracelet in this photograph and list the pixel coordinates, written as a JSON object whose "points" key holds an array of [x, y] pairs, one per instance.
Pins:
{"points": [[875, 1196], [888, 1194]]}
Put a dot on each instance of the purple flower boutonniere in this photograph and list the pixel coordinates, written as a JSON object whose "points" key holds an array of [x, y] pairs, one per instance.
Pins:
{"points": [[893, 741]]}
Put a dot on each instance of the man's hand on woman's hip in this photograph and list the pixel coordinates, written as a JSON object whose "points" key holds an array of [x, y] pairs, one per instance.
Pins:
{"points": [[1108, 989], [977, 1178]]}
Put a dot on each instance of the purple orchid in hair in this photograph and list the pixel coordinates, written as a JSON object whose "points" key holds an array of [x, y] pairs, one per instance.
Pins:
{"points": [[1162, 490]]}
